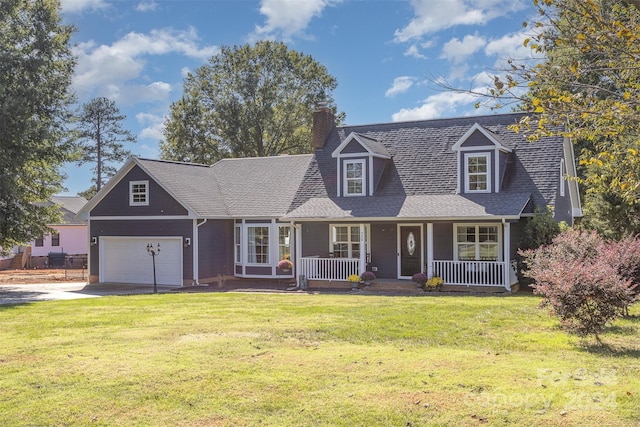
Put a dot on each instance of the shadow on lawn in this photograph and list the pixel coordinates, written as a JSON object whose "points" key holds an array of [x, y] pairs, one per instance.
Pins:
{"points": [[605, 349], [15, 298]]}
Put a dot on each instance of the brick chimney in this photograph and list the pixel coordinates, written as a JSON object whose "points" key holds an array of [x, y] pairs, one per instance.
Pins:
{"points": [[323, 124]]}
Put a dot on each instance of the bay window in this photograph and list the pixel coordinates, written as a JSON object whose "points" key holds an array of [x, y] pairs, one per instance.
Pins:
{"points": [[259, 245]]}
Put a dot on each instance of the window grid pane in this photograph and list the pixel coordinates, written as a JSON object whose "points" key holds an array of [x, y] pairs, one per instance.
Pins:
{"points": [[284, 245], [346, 241], [354, 178], [258, 245], [477, 243], [477, 173]]}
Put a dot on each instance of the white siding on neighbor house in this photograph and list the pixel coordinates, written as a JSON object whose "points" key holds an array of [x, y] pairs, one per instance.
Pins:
{"points": [[73, 241]]}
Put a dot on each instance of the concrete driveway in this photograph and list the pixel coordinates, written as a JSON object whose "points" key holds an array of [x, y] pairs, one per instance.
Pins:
{"points": [[20, 294]]}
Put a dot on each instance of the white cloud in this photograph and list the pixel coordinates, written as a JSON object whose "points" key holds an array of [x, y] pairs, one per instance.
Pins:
{"points": [[147, 6], [458, 50], [434, 15], [152, 126], [109, 68], [413, 51], [288, 18], [435, 106], [400, 85], [133, 94], [76, 6]]}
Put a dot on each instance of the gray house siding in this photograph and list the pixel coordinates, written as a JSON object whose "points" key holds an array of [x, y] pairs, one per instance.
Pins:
{"points": [[215, 255], [384, 243], [477, 139], [443, 241], [378, 169], [562, 211], [161, 227], [315, 239], [354, 147], [117, 201]]}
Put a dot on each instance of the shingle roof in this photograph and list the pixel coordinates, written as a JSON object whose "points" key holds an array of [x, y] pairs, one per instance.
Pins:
{"points": [[418, 182], [69, 206], [445, 206], [191, 184], [423, 164], [246, 187], [260, 186], [374, 145]]}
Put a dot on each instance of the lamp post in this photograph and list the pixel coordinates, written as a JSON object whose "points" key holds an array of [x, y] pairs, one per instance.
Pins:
{"points": [[153, 252]]}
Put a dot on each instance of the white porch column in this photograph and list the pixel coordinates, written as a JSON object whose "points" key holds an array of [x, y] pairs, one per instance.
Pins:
{"points": [[194, 253], [297, 252], [429, 249], [363, 249], [506, 237]]}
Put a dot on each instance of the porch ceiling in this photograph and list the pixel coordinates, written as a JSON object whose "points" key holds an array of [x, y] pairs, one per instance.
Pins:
{"points": [[442, 206]]}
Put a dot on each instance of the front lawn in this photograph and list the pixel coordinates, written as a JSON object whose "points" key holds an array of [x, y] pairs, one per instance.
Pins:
{"points": [[235, 359]]}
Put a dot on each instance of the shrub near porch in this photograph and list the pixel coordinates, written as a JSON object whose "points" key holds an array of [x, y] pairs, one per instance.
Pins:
{"points": [[304, 359]]}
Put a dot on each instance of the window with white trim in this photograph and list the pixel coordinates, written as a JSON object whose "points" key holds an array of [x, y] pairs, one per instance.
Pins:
{"points": [[561, 177], [258, 245], [478, 178], [238, 245], [284, 242], [55, 239], [345, 240], [477, 242], [139, 193], [354, 177]]}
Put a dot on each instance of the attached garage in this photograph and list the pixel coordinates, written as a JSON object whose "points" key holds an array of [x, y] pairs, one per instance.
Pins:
{"points": [[125, 260]]}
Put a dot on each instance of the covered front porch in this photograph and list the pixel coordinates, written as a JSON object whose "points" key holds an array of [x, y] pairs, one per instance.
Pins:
{"points": [[456, 252], [454, 273]]}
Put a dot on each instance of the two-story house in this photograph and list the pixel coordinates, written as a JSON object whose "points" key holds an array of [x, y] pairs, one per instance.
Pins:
{"points": [[448, 197]]}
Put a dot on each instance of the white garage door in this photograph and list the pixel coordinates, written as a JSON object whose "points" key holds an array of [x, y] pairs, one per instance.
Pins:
{"points": [[125, 260]]}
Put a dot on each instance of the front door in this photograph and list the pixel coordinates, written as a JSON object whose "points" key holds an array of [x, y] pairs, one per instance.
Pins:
{"points": [[410, 250]]}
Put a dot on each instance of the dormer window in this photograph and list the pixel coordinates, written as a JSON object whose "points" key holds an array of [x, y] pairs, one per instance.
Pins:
{"points": [[354, 177], [482, 161], [139, 193], [361, 160], [478, 178]]}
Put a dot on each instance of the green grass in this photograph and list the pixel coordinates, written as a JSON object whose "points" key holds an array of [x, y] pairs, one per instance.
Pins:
{"points": [[310, 360]]}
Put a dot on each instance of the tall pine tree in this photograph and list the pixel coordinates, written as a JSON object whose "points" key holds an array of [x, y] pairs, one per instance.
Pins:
{"points": [[101, 139]]}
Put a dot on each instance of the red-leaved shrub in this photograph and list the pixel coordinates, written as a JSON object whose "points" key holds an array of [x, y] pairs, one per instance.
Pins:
{"points": [[586, 281]]}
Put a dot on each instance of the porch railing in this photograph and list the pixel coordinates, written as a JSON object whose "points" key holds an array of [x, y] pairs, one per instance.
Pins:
{"points": [[471, 273], [315, 268]]}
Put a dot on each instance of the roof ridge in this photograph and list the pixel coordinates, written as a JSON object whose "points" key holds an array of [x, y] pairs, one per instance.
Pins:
{"points": [[264, 157], [175, 162], [442, 119]]}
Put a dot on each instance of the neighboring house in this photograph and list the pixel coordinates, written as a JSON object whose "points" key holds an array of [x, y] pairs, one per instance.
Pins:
{"points": [[448, 197], [69, 237]]}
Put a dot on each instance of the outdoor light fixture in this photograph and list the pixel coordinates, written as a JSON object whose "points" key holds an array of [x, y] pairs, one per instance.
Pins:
{"points": [[153, 252], [187, 242], [94, 241]]}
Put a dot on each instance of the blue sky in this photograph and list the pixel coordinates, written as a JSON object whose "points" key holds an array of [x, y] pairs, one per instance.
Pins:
{"points": [[384, 54]]}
